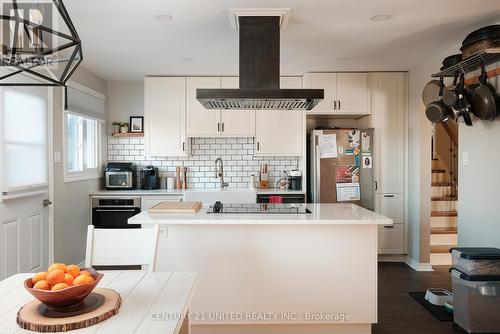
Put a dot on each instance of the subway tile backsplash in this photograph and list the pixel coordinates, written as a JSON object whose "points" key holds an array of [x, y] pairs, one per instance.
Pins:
{"points": [[237, 154]]}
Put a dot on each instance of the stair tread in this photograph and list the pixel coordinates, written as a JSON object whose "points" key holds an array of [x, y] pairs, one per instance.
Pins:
{"points": [[438, 170], [441, 184], [444, 213], [441, 248], [444, 230], [444, 198]]}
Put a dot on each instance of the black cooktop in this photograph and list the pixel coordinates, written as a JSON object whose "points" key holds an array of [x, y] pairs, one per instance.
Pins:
{"points": [[258, 208]]}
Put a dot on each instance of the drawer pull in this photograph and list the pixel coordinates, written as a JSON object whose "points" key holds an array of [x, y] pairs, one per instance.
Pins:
{"points": [[388, 226], [389, 196]]}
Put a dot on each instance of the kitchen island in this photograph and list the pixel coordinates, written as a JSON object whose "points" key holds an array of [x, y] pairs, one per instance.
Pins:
{"points": [[276, 273]]}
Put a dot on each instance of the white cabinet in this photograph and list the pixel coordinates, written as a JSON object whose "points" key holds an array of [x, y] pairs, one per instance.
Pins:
{"points": [[280, 132], [344, 93], [148, 202], [164, 116], [202, 122], [388, 120], [390, 205], [391, 239], [236, 123]]}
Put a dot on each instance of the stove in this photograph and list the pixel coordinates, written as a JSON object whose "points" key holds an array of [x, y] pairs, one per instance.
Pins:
{"points": [[256, 208]]}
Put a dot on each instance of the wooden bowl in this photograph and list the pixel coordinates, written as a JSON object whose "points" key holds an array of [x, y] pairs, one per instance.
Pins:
{"points": [[65, 297]]}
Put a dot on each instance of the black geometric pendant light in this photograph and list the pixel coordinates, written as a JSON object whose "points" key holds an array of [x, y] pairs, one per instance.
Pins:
{"points": [[39, 43]]}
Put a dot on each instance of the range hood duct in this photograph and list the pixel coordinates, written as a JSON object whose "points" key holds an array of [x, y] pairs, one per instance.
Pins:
{"points": [[259, 73]]}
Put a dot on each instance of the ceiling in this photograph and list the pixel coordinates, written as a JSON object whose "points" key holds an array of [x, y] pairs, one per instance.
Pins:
{"points": [[123, 41]]}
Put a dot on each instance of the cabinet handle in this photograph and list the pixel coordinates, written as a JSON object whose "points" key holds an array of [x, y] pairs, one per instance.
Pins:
{"points": [[389, 196], [218, 127], [184, 146], [339, 104], [376, 185], [334, 105], [222, 127], [258, 146], [388, 226]]}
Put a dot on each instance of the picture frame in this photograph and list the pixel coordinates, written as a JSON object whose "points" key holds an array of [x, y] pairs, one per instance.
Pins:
{"points": [[136, 124]]}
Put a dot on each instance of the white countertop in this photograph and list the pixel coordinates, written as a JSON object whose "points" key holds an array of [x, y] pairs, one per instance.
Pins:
{"points": [[180, 192], [321, 214]]}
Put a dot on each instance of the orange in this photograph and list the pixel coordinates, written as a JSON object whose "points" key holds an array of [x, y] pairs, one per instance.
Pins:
{"points": [[68, 279], [59, 286], [83, 279], [85, 272], [39, 277], [73, 269], [53, 266], [55, 276], [42, 285]]}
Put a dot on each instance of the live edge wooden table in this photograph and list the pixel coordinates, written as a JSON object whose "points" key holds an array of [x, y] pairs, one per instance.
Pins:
{"points": [[151, 302]]}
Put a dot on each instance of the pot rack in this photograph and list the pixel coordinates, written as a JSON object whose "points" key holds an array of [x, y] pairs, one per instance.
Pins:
{"points": [[487, 57]]}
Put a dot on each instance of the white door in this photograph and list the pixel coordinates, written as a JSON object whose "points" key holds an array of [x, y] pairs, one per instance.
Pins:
{"points": [[327, 82], [240, 123], [353, 93], [25, 129], [388, 120], [201, 122], [164, 116], [279, 132]]}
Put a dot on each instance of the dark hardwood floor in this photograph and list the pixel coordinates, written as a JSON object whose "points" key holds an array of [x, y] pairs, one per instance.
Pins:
{"points": [[398, 313]]}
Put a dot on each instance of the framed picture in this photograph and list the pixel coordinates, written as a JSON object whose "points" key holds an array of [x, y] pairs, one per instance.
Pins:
{"points": [[136, 124]]}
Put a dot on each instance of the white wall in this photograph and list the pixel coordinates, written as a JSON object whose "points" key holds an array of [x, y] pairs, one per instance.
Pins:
{"points": [[479, 183], [71, 199], [126, 98]]}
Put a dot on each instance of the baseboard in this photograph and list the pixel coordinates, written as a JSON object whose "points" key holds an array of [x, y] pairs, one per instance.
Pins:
{"points": [[417, 266], [392, 258]]}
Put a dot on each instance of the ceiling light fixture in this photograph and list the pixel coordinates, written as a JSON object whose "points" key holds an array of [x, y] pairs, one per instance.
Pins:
{"points": [[381, 17], [36, 49], [164, 17]]}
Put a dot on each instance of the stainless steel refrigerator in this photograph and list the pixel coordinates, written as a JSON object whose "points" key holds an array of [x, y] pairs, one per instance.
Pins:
{"points": [[341, 167]]}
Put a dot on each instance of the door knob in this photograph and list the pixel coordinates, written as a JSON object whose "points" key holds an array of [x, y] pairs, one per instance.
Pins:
{"points": [[46, 202]]}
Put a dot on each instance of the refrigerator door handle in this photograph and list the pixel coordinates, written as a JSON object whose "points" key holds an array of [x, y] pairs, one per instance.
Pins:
{"points": [[376, 185], [318, 174]]}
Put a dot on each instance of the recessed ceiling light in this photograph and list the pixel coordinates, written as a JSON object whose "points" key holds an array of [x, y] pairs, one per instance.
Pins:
{"points": [[186, 58], [381, 17], [164, 17]]}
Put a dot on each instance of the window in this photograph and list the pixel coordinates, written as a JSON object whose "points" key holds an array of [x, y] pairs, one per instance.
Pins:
{"points": [[83, 138], [24, 163]]}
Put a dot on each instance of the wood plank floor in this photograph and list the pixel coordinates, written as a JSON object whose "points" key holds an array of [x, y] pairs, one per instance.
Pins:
{"points": [[398, 312]]}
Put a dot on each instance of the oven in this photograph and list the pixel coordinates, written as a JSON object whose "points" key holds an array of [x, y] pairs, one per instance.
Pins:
{"points": [[114, 211]]}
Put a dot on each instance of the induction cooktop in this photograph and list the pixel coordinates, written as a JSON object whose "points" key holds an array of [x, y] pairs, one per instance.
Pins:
{"points": [[258, 208]]}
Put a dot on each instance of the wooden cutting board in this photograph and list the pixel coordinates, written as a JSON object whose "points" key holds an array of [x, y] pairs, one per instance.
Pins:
{"points": [[31, 315], [176, 207]]}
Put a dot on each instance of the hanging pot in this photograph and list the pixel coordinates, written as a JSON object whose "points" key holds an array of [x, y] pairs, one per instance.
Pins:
{"points": [[462, 109], [430, 92], [437, 111], [484, 99], [450, 94]]}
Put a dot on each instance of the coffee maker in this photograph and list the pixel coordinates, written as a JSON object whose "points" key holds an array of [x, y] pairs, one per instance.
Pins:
{"points": [[149, 178]]}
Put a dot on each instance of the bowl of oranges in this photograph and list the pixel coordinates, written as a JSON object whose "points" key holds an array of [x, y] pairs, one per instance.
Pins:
{"points": [[62, 285]]}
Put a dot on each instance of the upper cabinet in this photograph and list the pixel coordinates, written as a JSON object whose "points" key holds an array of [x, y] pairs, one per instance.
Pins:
{"points": [[389, 115], [280, 132], [212, 123], [164, 116], [345, 93]]}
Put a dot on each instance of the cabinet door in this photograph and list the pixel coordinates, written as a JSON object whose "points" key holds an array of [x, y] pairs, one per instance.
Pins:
{"points": [[353, 93], [391, 239], [240, 123], [164, 116], [388, 119], [327, 82], [390, 205], [201, 122], [280, 132]]}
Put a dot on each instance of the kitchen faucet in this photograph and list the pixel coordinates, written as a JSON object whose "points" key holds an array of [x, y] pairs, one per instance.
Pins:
{"points": [[219, 172]]}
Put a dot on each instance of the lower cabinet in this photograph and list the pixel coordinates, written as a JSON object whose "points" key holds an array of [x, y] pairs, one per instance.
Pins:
{"points": [[391, 238], [148, 202]]}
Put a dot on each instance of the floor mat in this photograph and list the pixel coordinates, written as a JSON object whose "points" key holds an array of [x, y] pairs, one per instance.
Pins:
{"points": [[437, 311]]}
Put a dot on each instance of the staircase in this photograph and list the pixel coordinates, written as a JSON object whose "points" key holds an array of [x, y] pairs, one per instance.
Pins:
{"points": [[444, 214]]}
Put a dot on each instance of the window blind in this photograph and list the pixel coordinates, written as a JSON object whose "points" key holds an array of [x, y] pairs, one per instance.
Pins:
{"points": [[80, 102]]}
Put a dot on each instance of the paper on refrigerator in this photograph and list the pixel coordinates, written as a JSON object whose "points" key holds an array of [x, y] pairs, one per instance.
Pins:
{"points": [[328, 146]]}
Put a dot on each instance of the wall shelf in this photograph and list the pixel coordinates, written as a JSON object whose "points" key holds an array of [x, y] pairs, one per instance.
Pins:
{"points": [[488, 57], [128, 134]]}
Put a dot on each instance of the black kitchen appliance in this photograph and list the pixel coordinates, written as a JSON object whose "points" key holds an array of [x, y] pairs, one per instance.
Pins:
{"points": [[119, 175], [295, 180], [149, 178], [114, 212]]}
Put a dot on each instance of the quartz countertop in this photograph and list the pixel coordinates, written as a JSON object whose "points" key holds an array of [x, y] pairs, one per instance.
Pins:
{"points": [[181, 192], [321, 214]]}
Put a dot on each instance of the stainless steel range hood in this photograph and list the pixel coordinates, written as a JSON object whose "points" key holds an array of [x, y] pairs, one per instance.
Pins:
{"points": [[259, 73]]}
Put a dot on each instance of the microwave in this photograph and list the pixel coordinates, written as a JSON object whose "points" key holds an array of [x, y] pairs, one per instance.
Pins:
{"points": [[119, 175]]}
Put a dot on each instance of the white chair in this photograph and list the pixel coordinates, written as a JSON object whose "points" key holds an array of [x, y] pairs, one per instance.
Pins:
{"points": [[120, 247]]}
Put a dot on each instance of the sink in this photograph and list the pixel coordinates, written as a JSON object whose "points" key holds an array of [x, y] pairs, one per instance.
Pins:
{"points": [[225, 196]]}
